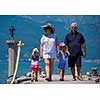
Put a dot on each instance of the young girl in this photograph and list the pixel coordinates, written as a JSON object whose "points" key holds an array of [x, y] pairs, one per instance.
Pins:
{"points": [[35, 65], [62, 60]]}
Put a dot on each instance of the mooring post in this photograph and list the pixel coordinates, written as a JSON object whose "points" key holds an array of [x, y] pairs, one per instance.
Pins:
{"points": [[12, 46]]}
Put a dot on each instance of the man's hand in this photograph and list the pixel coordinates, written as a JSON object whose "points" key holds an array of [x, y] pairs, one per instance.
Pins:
{"points": [[84, 50], [84, 54]]}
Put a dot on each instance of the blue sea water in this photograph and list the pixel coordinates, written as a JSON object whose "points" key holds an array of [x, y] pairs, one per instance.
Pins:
{"points": [[24, 67]]}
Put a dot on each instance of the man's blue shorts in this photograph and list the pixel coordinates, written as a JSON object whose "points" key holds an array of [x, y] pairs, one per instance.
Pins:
{"points": [[72, 60]]}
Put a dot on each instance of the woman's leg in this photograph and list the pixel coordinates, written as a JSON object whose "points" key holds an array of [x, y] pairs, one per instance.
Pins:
{"points": [[62, 73], [47, 67], [51, 67]]}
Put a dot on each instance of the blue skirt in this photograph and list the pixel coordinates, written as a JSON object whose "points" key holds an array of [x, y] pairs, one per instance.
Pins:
{"points": [[61, 65]]}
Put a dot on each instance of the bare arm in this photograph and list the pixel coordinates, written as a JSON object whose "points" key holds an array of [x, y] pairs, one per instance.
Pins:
{"points": [[41, 51], [57, 44], [67, 51], [84, 49]]}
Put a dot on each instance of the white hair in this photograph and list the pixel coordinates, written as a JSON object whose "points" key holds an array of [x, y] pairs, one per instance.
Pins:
{"points": [[73, 24]]}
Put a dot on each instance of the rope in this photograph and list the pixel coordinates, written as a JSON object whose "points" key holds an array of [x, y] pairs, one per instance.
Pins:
{"points": [[17, 61]]}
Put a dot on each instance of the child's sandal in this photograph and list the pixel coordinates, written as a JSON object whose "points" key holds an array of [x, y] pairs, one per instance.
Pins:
{"points": [[32, 80], [61, 79]]}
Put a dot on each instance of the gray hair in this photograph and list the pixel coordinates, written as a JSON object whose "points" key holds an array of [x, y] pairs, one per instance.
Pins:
{"points": [[73, 24]]}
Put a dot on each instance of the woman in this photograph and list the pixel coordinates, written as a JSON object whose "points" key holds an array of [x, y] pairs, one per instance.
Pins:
{"points": [[48, 49]]}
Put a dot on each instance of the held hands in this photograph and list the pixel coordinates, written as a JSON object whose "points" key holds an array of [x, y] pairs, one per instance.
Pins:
{"points": [[41, 57]]}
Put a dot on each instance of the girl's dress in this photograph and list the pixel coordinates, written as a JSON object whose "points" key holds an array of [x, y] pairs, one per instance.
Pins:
{"points": [[62, 60], [49, 46], [35, 63]]}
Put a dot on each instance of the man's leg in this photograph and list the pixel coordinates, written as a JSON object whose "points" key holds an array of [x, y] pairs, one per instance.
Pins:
{"points": [[71, 63], [73, 72], [78, 70], [78, 65], [78, 73]]}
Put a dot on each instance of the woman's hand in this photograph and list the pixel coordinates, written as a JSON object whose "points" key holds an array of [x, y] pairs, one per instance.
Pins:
{"points": [[41, 51], [41, 56]]}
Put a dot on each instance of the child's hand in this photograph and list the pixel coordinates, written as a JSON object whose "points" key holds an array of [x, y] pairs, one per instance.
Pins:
{"points": [[58, 55], [40, 59], [68, 53]]}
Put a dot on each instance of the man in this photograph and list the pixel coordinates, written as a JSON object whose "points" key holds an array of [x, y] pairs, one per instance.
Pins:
{"points": [[75, 43]]}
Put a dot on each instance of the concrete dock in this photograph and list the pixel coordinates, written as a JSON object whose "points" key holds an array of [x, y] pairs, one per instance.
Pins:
{"points": [[68, 80]]}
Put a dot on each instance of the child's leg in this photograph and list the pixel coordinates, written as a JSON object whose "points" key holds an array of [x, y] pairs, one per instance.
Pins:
{"points": [[32, 75], [62, 73], [36, 76]]}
